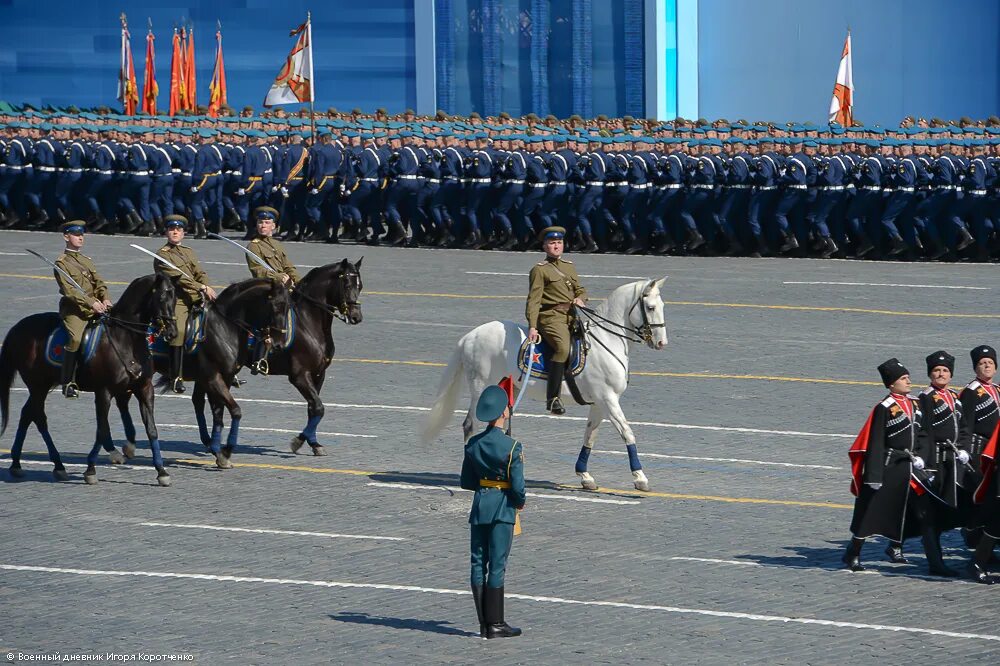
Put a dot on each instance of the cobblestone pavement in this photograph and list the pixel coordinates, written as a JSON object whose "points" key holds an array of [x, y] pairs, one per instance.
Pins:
{"points": [[745, 420]]}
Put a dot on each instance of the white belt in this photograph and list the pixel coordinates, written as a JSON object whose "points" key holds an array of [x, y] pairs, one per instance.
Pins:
{"points": [[478, 180], [641, 186], [513, 182], [906, 189], [186, 173], [46, 168], [175, 171], [160, 175], [453, 179], [434, 180], [976, 192], [558, 182], [670, 186], [595, 184], [109, 172], [767, 188], [13, 166], [796, 187], [945, 187], [369, 180], [267, 171], [75, 170], [738, 187], [617, 183], [703, 186], [407, 177], [871, 188], [833, 188], [138, 173], [538, 184]]}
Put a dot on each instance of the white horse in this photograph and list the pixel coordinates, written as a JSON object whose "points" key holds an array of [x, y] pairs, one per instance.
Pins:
{"points": [[489, 352]]}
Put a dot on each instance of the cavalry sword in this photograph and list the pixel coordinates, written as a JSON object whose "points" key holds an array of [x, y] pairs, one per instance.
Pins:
{"points": [[61, 271], [248, 252], [161, 260]]}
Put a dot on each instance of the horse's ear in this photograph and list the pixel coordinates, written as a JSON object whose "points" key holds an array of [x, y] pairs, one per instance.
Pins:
{"points": [[659, 283], [344, 264], [357, 264]]}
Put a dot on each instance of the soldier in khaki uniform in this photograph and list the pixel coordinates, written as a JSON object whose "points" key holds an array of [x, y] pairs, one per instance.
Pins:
{"points": [[77, 309], [554, 289], [191, 291], [270, 249]]}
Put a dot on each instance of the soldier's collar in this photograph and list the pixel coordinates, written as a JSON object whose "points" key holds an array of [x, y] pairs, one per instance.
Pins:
{"points": [[71, 250]]}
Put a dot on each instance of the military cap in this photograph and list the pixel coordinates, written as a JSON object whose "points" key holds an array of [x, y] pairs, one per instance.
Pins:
{"points": [[549, 233], [492, 403], [981, 352], [175, 221], [942, 358], [73, 227], [891, 371], [265, 213]]}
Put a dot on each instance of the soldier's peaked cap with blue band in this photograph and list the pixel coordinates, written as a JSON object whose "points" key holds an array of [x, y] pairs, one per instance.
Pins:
{"points": [[265, 213], [492, 402], [174, 221], [73, 227], [549, 233]]}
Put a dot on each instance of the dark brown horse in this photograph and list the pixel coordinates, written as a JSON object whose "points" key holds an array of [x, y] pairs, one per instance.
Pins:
{"points": [[121, 366]]}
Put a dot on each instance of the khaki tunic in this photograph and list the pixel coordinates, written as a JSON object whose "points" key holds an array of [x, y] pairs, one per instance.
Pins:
{"points": [[271, 250], [77, 309], [188, 289], [552, 283]]}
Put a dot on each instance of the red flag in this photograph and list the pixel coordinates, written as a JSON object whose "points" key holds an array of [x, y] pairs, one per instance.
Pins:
{"points": [[178, 97], [128, 90], [842, 104], [190, 84], [149, 88], [507, 384], [857, 455], [217, 88]]}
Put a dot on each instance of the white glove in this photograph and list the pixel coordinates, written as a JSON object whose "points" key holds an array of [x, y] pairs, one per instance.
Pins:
{"points": [[275, 188], [241, 192], [194, 189], [314, 191], [874, 486], [963, 456], [918, 462], [284, 192]]}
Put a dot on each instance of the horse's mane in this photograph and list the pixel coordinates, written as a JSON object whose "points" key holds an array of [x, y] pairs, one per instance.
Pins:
{"points": [[135, 295], [238, 289], [631, 290], [318, 272]]}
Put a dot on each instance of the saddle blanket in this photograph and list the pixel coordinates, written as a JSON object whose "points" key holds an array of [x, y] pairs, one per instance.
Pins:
{"points": [[194, 335], [60, 336], [539, 361]]}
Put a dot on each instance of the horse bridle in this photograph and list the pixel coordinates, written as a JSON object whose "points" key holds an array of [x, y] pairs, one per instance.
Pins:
{"points": [[642, 333], [341, 310]]}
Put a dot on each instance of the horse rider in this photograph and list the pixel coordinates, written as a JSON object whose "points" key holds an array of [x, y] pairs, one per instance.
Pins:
{"points": [[77, 308], [270, 249], [554, 289], [192, 289], [493, 468]]}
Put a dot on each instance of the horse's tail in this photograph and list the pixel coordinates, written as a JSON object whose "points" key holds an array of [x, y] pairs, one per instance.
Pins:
{"points": [[447, 397], [8, 368]]}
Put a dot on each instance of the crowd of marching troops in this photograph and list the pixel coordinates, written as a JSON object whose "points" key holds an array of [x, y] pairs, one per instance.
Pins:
{"points": [[923, 190]]}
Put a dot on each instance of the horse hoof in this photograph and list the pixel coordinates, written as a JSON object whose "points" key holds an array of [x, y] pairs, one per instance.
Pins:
{"points": [[16, 472], [587, 481], [318, 450], [164, 480], [222, 462], [91, 479], [60, 475], [296, 443], [640, 481], [116, 458], [129, 450], [227, 451]]}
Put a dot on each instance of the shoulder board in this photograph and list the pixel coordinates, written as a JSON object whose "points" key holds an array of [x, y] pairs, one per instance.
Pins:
{"points": [[566, 261], [913, 399], [888, 402], [974, 384], [927, 391], [541, 263], [255, 240], [954, 392]]}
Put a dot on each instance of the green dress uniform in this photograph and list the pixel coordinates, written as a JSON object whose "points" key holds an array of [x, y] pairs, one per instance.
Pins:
{"points": [[77, 309], [188, 288], [272, 251], [494, 469]]}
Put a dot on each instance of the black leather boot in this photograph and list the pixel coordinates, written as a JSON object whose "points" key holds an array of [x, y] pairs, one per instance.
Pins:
{"points": [[852, 557], [496, 627], [791, 243], [553, 388], [965, 239], [177, 369], [984, 552], [477, 597], [589, 245], [68, 380], [199, 229], [932, 548], [694, 240], [863, 245], [894, 551]]}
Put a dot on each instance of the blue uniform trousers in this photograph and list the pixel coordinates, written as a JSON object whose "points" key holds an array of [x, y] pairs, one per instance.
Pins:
{"points": [[161, 195], [206, 203], [761, 211], [400, 199], [475, 198], [733, 212], [490, 548], [531, 220], [589, 202]]}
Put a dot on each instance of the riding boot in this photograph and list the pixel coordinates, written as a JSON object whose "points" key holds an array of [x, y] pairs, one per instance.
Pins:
{"points": [[557, 369], [496, 627], [177, 369], [932, 548], [852, 557], [477, 597], [199, 229], [68, 380]]}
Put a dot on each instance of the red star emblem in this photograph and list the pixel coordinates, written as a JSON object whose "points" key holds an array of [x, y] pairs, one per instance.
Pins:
{"points": [[536, 358], [57, 350]]}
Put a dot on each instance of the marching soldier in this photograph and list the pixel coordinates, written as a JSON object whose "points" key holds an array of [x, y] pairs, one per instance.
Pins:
{"points": [[192, 290], [75, 308], [270, 249], [493, 468], [554, 288], [980, 414]]}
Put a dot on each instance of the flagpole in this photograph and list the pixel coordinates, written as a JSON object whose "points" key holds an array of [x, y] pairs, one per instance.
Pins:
{"points": [[312, 82]]}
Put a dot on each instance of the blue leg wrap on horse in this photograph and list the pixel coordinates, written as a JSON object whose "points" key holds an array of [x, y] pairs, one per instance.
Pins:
{"points": [[129, 425], [154, 445], [203, 427], [633, 458], [216, 444], [309, 434], [234, 433], [581, 460]]}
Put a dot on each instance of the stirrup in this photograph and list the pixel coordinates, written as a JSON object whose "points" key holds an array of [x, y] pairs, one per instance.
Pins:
{"points": [[178, 385], [71, 391], [260, 367], [556, 407]]}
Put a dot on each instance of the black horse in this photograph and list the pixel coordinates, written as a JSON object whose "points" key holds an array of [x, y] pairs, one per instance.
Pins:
{"points": [[121, 366], [324, 293], [253, 307]]}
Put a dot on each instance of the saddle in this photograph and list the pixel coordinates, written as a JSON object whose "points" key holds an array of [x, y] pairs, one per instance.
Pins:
{"points": [[57, 340], [194, 335], [539, 362], [289, 333]]}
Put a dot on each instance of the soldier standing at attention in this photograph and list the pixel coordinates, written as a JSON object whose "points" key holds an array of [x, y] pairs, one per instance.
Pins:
{"points": [[554, 288], [493, 468], [191, 291], [75, 308]]}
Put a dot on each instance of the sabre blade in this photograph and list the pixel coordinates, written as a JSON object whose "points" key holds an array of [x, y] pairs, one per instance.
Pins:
{"points": [[160, 259], [61, 271], [248, 252]]}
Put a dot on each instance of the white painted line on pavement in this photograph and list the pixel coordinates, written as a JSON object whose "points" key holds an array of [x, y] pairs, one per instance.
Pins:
{"points": [[424, 323], [281, 430], [454, 489], [610, 277], [869, 570], [646, 454], [327, 535], [753, 617], [103, 465], [889, 284]]}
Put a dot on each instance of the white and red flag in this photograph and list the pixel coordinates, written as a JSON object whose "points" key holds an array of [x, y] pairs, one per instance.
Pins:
{"points": [[294, 83], [128, 91], [842, 106]]}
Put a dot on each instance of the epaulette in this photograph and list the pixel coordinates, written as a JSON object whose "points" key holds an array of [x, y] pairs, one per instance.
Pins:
{"points": [[954, 392], [255, 240], [888, 402], [566, 260], [541, 263], [974, 384], [928, 390]]}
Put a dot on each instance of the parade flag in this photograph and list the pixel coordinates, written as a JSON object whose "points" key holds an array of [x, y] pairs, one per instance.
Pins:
{"points": [[190, 85], [178, 96], [149, 88], [217, 88], [294, 82], [842, 106], [128, 90]]}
